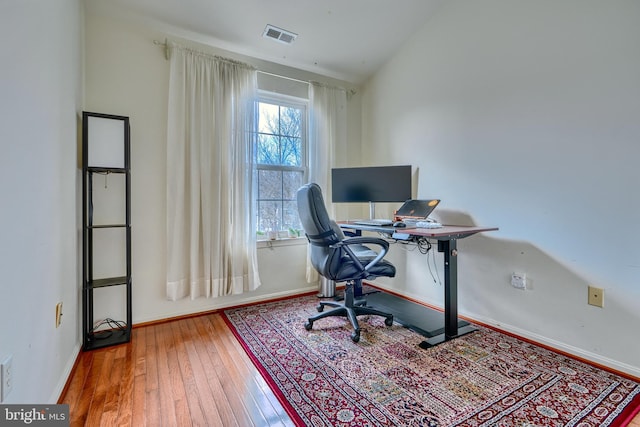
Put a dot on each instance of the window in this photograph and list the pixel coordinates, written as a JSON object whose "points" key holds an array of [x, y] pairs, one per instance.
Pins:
{"points": [[281, 160]]}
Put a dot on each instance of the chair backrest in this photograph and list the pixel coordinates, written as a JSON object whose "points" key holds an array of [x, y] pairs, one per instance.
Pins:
{"points": [[321, 231]]}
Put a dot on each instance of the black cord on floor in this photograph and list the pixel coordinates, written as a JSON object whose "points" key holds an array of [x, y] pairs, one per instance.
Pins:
{"points": [[114, 325]]}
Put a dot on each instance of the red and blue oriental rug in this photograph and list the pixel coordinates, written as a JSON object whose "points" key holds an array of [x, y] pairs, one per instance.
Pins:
{"points": [[485, 378]]}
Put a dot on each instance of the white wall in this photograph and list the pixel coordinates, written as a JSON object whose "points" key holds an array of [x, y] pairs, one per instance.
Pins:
{"points": [[40, 87], [128, 75], [525, 116]]}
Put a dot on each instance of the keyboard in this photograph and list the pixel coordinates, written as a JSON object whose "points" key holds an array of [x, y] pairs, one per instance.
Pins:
{"points": [[374, 222]]}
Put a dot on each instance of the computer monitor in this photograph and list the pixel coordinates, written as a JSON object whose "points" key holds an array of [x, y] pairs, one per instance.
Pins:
{"points": [[371, 185]]}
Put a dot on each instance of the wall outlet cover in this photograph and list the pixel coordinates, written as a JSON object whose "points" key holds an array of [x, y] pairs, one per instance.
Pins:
{"points": [[596, 296], [519, 280], [58, 314]]}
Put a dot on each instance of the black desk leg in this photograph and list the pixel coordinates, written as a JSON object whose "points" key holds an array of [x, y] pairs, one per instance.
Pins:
{"points": [[450, 249], [451, 331]]}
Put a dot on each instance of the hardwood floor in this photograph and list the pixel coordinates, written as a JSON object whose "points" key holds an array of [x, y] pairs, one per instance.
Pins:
{"points": [[184, 372], [180, 373]]}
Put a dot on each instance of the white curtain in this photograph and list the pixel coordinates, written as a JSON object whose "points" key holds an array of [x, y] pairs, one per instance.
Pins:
{"points": [[327, 142], [211, 247]]}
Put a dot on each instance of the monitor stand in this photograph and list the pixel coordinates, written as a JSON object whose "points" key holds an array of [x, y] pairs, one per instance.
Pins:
{"points": [[372, 210]]}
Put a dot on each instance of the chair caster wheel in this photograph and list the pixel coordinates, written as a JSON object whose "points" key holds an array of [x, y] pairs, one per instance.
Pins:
{"points": [[308, 325], [320, 308], [355, 336], [388, 321]]}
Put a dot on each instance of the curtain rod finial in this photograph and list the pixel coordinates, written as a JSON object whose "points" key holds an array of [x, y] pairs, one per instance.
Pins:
{"points": [[166, 47]]}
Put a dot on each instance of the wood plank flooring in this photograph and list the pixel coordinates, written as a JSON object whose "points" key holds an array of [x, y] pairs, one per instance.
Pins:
{"points": [[180, 373]]}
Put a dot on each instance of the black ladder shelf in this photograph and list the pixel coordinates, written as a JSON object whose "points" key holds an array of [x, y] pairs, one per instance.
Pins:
{"points": [[112, 332]]}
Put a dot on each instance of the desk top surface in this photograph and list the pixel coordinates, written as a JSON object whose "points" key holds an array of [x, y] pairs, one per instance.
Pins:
{"points": [[446, 231]]}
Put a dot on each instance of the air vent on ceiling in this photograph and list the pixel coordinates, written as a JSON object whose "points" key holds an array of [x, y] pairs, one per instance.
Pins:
{"points": [[278, 34]]}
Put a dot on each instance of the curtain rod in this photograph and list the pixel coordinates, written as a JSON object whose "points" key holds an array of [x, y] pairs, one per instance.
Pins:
{"points": [[167, 54], [284, 77], [350, 92]]}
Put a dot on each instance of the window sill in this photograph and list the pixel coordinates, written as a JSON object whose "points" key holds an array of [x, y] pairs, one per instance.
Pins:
{"points": [[284, 241]]}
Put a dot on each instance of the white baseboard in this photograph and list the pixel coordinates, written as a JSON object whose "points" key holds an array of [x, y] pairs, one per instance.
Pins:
{"points": [[65, 374], [560, 346], [228, 304], [271, 296]]}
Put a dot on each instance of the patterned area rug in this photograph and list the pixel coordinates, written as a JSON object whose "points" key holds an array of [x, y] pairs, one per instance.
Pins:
{"points": [[482, 379]]}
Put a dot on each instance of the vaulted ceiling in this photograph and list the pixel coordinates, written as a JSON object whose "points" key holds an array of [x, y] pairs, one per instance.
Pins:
{"points": [[344, 39]]}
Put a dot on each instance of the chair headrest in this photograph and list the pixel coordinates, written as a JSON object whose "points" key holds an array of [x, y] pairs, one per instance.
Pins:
{"points": [[314, 216]]}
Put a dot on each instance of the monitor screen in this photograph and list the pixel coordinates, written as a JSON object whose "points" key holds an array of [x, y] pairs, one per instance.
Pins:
{"points": [[371, 184]]}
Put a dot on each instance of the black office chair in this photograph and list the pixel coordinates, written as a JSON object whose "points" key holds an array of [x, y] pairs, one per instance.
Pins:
{"points": [[341, 259]]}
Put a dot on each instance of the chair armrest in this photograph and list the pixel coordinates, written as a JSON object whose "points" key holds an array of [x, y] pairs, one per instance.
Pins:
{"points": [[366, 239], [383, 244]]}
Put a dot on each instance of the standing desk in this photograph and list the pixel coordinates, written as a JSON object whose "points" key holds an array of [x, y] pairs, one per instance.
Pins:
{"points": [[447, 238]]}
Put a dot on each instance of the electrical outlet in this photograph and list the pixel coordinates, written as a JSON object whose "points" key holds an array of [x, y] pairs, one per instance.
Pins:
{"points": [[6, 376], [58, 314], [519, 280], [596, 296]]}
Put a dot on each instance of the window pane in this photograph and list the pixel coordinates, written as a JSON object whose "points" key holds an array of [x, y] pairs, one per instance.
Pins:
{"points": [[290, 121], [268, 150], [292, 181], [269, 215], [291, 151], [270, 184], [268, 118], [290, 217]]}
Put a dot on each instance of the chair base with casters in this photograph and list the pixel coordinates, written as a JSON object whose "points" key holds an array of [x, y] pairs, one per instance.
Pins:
{"points": [[351, 308]]}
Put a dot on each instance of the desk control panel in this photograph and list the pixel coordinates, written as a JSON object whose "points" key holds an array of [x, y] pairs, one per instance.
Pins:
{"points": [[401, 236]]}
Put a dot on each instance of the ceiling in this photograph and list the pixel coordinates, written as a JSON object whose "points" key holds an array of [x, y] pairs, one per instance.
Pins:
{"points": [[343, 39]]}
